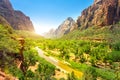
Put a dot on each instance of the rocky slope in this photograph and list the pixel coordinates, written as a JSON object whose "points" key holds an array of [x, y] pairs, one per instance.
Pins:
{"points": [[15, 18], [67, 26], [3, 21], [101, 13]]}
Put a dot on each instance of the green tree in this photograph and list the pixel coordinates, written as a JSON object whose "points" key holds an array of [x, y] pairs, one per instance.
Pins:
{"points": [[71, 76], [90, 74]]}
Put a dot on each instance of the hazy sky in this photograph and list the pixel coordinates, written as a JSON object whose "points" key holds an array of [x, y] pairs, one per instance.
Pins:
{"points": [[47, 14]]}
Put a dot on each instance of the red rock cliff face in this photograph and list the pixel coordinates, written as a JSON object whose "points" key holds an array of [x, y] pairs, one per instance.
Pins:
{"points": [[101, 13], [15, 18]]}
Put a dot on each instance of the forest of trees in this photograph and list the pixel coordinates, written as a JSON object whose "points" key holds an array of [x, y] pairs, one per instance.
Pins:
{"points": [[89, 56]]}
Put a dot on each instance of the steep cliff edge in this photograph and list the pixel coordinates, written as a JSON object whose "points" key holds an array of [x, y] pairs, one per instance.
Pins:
{"points": [[15, 18], [101, 13]]}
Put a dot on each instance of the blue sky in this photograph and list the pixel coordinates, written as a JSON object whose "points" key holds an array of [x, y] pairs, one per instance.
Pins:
{"points": [[47, 14]]}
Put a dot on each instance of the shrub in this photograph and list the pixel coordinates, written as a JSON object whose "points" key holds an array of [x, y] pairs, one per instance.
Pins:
{"points": [[116, 46], [114, 56]]}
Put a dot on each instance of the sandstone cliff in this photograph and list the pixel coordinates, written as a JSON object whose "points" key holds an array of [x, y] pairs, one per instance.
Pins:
{"points": [[15, 18], [101, 13]]}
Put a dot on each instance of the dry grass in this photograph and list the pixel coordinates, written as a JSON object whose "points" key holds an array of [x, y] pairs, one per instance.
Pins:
{"points": [[58, 75]]}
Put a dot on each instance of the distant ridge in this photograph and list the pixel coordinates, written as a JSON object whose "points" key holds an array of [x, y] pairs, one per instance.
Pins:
{"points": [[67, 26]]}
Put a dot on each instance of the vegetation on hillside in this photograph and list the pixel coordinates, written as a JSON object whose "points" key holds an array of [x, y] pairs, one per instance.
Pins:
{"points": [[11, 59], [85, 55], [92, 51], [107, 33]]}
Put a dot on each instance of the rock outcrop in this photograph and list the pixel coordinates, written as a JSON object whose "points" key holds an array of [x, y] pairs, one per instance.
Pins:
{"points": [[15, 18], [67, 26], [101, 13]]}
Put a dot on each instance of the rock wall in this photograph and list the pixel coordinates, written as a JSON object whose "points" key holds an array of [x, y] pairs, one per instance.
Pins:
{"points": [[15, 18], [101, 13]]}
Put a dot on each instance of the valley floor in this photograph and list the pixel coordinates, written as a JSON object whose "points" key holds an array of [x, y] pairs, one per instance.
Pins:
{"points": [[63, 66]]}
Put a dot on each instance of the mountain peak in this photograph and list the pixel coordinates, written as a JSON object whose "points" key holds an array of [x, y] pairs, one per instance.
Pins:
{"points": [[67, 26], [16, 19], [6, 4], [70, 19]]}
